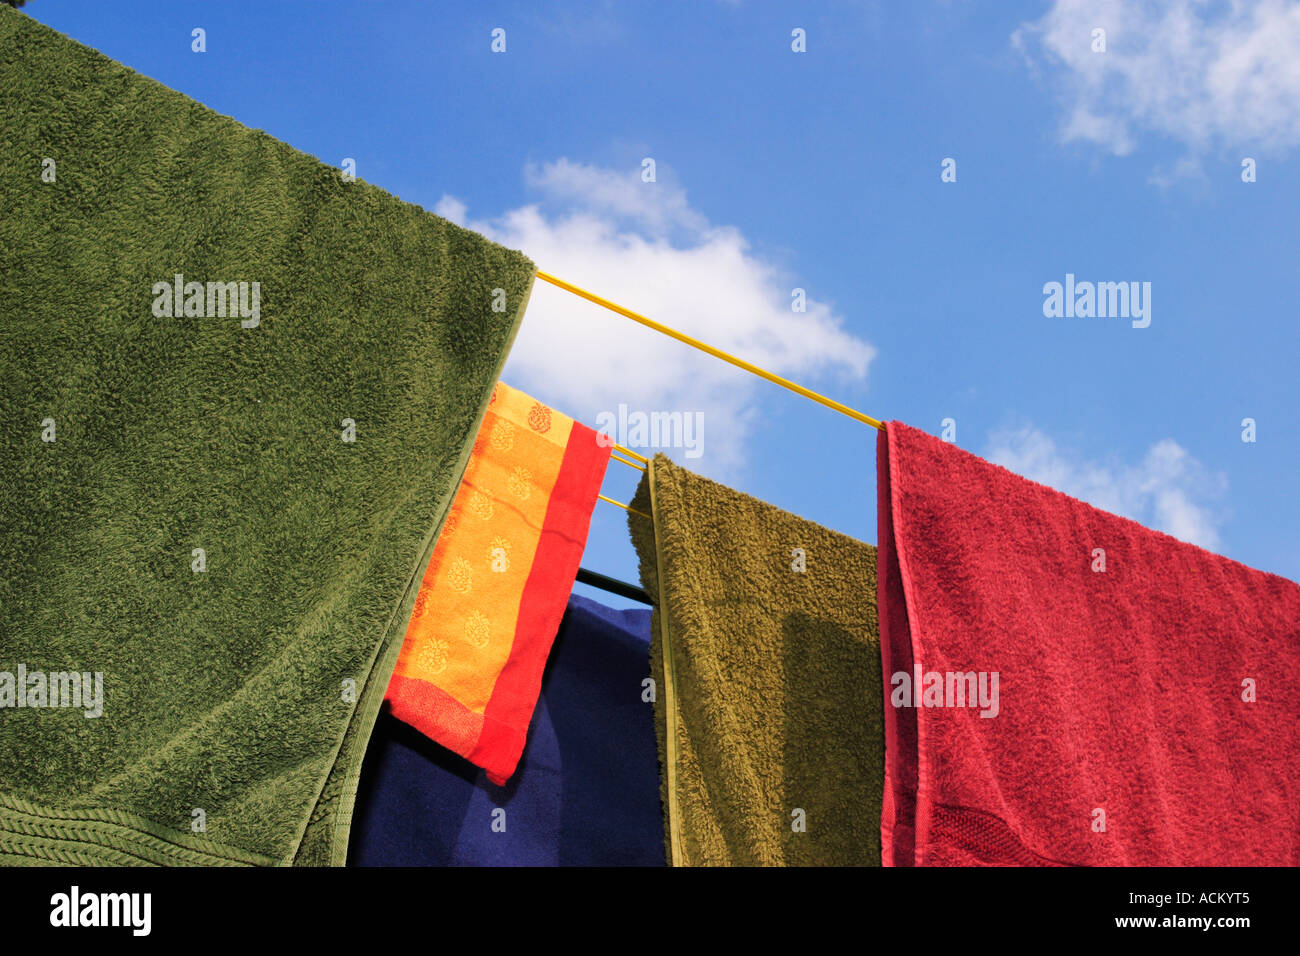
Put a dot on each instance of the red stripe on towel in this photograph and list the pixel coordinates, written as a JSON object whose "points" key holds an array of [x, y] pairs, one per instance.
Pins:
{"points": [[546, 593]]}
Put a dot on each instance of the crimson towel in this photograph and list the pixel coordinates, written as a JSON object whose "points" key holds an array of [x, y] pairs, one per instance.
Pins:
{"points": [[1091, 692]]}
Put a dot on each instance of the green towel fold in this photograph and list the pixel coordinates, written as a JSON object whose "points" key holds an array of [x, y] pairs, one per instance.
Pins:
{"points": [[768, 701], [180, 513]]}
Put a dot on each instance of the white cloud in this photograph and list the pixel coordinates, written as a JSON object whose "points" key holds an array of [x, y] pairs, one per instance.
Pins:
{"points": [[1168, 490], [1212, 75], [1184, 170], [660, 208], [645, 247]]}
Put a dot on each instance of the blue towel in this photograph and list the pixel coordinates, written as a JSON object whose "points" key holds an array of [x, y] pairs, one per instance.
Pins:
{"points": [[587, 789]]}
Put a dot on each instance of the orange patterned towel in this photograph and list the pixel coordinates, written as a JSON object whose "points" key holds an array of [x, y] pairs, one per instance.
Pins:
{"points": [[496, 587]]}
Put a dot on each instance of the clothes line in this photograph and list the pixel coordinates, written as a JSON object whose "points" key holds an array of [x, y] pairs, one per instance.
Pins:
{"points": [[632, 454], [630, 464], [638, 461], [711, 350], [614, 586], [623, 506]]}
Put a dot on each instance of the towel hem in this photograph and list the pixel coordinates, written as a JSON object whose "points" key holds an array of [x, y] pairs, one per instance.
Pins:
{"points": [[670, 697], [922, 800], [99, 836], [373, 695]]}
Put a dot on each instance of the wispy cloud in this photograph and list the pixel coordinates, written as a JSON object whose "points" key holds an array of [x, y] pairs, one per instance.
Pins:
{"points": [[643, 245], [1168, 489], [658, 209], [1210, 75]]}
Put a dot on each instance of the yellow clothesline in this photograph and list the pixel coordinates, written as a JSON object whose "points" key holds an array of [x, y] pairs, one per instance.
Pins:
{"points": [[631, 454], [623, 506], [715, 352], [630, 464]]}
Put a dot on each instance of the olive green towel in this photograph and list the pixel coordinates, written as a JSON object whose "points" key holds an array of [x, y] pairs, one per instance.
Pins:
{"points": [[766, 660], [219, 516]]}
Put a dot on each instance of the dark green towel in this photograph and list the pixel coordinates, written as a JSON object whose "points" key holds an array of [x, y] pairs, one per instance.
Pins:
{"points": [[228, 731], [768, 676]]}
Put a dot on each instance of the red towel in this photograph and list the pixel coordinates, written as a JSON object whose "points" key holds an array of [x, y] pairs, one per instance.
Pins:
{"points": [[1146, 714]]}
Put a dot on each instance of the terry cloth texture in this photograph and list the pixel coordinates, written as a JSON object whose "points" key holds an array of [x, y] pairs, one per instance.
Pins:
{"points": [[493, 595], [768, 705], [179, 508], [585, 794], [1146, 713]]}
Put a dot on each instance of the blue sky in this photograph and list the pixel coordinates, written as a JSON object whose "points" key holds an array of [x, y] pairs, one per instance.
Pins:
{"points": [[821, 170]]}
